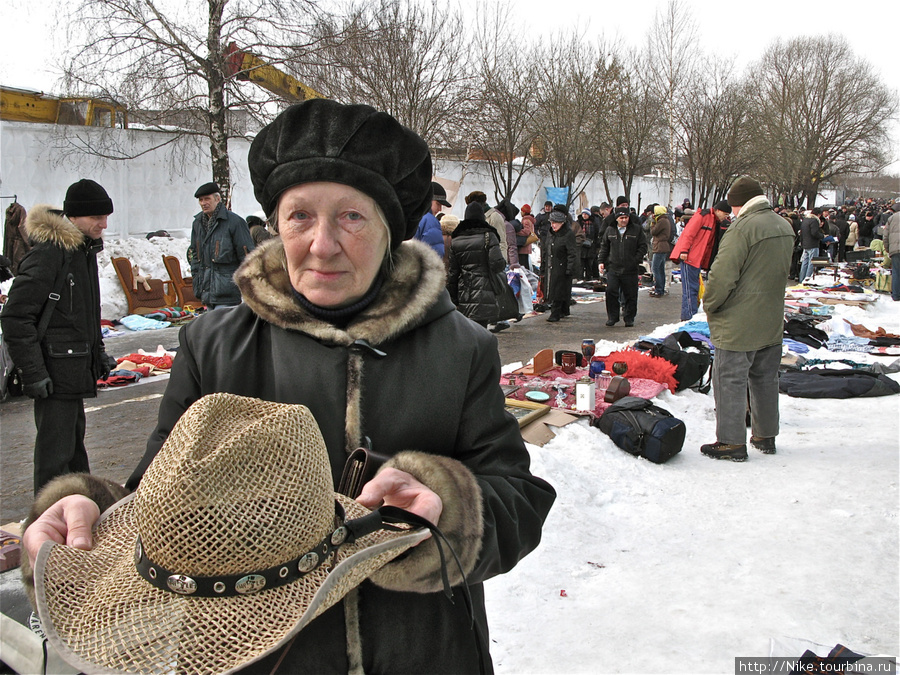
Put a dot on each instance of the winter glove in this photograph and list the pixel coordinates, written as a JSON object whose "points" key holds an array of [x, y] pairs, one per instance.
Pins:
{"points": [[41, 389], [107, 364]]}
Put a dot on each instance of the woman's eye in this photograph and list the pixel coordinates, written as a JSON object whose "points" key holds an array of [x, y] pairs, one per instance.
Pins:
{"points": [[353, 221]]}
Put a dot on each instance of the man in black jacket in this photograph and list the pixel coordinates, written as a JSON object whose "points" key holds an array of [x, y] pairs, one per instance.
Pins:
{"points": [[51, 323], [622, 248], [220, 240]]}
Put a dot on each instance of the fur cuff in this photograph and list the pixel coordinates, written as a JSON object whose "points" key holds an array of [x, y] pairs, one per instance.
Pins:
{"points": [[103, 492], [461, 522]]}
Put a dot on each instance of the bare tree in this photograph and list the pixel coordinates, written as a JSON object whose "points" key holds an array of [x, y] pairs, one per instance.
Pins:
{"points": [[820, 112], [716, 144], [576, 81], [672, 54], [406, 59], [172, 58], [500, 120], [632, 132]]}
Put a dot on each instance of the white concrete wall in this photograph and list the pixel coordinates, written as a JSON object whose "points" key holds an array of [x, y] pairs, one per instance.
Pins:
{"points": [[154, 191]]}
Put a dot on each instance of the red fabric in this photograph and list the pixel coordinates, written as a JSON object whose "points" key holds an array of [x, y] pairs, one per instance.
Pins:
{"points": [[645, 366], [161, 362]]}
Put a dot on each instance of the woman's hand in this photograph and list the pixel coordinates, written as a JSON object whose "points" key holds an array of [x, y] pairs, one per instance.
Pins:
{"points": [[392, 487], [69, 521]]}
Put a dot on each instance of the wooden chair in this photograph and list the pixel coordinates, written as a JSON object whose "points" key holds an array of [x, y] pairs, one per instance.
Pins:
{"points": [[184, 288], [142, 301]]}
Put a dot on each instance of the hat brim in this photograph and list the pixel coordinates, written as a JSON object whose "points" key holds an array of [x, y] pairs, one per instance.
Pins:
{"points": [[103, 617], [443, 202]]}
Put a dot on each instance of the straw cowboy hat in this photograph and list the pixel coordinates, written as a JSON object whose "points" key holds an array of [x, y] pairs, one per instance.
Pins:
{"points": [[233, 542]]}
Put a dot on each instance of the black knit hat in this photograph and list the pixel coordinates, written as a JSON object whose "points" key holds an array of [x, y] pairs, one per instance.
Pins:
{"points": [[355, 145], [474, 212], [206, 189], [87, 198], [722, 205], [621, 199], [743, 190], [622, 211]]}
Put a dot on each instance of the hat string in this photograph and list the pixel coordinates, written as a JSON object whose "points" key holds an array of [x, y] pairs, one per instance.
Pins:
{"points": [[393, 514], [251, 582]]}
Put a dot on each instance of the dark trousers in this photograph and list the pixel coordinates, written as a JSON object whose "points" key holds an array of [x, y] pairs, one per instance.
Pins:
{"points": [[587, 267], [561, 294], [628, 284], [59, 443]]}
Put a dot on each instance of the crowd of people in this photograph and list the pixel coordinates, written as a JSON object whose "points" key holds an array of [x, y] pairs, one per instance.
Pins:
{"points": [[830, 232]]}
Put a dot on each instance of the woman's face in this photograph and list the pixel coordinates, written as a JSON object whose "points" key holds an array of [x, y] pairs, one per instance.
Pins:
{"points": [[334, 242]]}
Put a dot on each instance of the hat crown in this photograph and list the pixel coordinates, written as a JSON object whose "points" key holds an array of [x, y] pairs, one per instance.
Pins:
{"points": [[87, 198], [326, 141], [240, 484]]}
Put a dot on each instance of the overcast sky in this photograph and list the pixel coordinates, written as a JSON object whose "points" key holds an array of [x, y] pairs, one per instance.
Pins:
{"points": [[741, 30]]}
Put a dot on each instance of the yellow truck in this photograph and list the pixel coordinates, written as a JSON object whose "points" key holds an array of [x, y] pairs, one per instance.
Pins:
{"points": [[24, 105], [245, 65]]}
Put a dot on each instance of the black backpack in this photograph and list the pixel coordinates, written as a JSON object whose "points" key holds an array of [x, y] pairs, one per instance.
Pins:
{"points": [[642, 428], [690, 366]]}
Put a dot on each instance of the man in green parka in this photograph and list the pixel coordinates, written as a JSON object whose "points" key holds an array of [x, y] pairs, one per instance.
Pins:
{"points": [[744, 304]]}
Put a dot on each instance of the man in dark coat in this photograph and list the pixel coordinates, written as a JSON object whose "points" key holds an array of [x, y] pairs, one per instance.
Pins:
{"points": [[622, 248], [542, 220], [60, 357], [810, 236], [220, 240], [558, 259]]}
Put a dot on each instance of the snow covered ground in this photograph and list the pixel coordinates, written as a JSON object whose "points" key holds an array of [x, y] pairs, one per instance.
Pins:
{"points": [[681, 567]]}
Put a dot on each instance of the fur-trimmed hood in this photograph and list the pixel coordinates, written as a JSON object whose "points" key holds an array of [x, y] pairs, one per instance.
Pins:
{"points": [[472, 226], [45, 223], [407, 297]]}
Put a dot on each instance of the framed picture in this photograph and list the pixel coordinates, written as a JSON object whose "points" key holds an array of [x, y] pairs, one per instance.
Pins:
{"points": [[525, 411]]}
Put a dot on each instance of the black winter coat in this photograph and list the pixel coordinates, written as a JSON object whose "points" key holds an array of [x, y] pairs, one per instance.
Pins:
{"points": [[472, 262], [411, 373], [810, 232], [215, 254], [558, 256], [622, 254], [71, 351]]}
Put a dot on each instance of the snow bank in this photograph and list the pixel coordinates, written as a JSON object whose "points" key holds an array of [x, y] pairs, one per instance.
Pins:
{"points": [[148, 255], [681, 567]]}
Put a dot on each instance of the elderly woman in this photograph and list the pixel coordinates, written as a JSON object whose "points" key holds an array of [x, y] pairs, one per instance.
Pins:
{"points": [[345, 316]]}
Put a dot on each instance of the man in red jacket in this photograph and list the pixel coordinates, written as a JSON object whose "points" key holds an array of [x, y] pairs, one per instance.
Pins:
{"points": [[696, 249]]}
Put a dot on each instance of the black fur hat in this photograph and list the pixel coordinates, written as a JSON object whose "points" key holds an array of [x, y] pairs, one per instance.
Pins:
{"points": [[87, 198], [355, 145]]}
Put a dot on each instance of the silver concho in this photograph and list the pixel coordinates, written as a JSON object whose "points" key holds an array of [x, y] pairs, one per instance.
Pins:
{"points": [[308, 562], [138, 552], [339, 536], [250, 584], [179, 583]]}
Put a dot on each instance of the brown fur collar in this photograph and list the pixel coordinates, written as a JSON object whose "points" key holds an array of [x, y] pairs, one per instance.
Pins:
{"points": [[44, 223], [411, 288], [419, 571]]}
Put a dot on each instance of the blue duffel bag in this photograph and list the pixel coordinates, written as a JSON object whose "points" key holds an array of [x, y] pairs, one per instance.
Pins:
{"points": [[642, 428]]}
